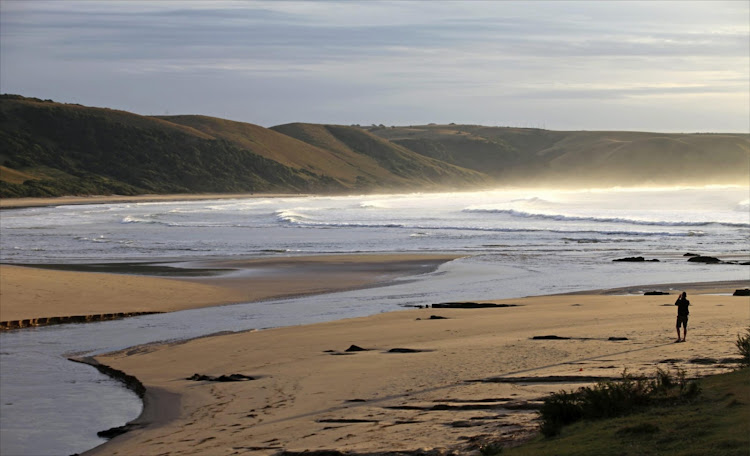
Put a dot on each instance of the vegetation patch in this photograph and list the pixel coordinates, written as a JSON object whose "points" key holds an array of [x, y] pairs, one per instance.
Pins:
{"points": [[614, 398], [670, 422], [743, 347]]}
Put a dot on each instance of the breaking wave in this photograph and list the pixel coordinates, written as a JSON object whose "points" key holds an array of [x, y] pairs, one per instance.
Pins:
{"points": [[573, 218]]}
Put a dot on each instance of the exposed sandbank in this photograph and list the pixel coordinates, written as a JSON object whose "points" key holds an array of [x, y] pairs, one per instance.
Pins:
{"points": [[310, 393], [28, 293]]}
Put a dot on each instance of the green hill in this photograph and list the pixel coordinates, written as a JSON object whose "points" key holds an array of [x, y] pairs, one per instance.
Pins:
{"points": [[377, 160], [582, 158], [54, 149]]}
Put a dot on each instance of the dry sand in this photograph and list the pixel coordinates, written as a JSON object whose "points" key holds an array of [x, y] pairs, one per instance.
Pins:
{"points": [[31, 293], [309, 393]]}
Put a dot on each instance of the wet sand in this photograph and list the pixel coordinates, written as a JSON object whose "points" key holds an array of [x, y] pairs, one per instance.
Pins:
{"points": [[29, 293], [459, 377]]}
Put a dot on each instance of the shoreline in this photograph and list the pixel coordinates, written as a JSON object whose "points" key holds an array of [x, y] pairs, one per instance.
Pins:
{"points": [[343, 404], [28, 202]]}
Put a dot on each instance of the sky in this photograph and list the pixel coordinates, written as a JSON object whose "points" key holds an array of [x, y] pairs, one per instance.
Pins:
{"points": [[673, 66]]}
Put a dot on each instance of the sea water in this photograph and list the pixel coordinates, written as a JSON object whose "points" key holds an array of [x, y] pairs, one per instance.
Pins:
{"points": [[516, 243]]}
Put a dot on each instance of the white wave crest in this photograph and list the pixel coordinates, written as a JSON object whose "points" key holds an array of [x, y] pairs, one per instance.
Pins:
{"points": [[574, 218]]}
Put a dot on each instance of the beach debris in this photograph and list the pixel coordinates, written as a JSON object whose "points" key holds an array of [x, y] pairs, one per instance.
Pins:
{"points": [[744, 292], [655, 293], [221, 378], [469, 305], [704, 259], [638, 259]]}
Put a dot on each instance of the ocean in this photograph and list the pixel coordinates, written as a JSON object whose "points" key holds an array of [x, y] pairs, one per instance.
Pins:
{"points": [[516, 242]]}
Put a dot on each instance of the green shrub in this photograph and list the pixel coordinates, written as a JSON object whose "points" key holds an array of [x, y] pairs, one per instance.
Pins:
{"points": [[613, 398], [743, 346], [558, 410]]}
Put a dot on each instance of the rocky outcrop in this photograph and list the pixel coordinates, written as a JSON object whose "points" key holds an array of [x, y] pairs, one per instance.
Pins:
{"points": [[220, 378], [45, 321], [469, 305], [704, 259], [655, 293], [745, 292], [638, 259]]}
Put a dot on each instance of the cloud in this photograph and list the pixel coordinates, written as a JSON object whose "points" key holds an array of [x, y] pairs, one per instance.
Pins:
{"points": [[377, 53]]}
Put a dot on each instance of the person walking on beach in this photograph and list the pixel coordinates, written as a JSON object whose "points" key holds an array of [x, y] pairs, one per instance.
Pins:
{"points": [[682, 315]]}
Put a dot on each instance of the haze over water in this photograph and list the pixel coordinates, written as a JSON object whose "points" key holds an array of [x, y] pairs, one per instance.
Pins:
{"points": [[518, 242]]}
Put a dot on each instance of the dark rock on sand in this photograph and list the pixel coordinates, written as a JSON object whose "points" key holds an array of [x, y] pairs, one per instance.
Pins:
{"points": [[670, 361], [469, 305], [655, 293], [221, 378], [691, 255], [639, 259], [404, 350], [704, 259], [550, 337], [618, 338], [705, 361], [745, 292], [355, 348]]}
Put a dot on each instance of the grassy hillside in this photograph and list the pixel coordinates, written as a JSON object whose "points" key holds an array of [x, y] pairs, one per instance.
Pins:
{"points": [[312, 148], [534, 156], [716, 422], [52, 149], [377, 159], [69, 149]]}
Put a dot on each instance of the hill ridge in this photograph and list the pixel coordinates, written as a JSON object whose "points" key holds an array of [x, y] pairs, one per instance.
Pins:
{"points": [[56, 149]]}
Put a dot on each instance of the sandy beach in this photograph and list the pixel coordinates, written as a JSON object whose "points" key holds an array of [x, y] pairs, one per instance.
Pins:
{"points": [[425, 378], [28, 293], [17, 203]]}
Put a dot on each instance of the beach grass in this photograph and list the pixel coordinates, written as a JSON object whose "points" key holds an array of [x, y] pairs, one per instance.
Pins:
{"points": [[715, 422]]}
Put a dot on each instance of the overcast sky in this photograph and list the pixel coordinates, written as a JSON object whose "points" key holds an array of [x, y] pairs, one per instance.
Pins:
{"points": [[675, 66]]}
